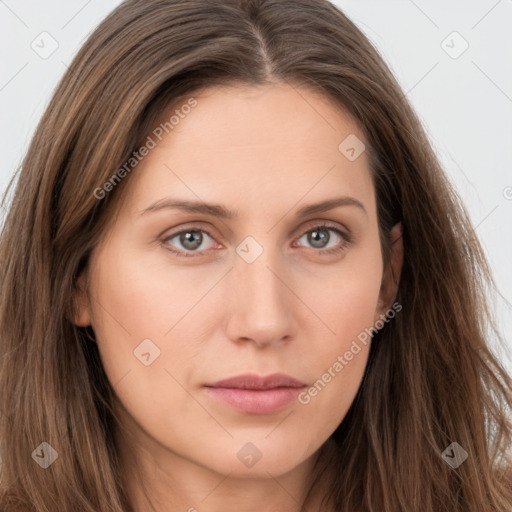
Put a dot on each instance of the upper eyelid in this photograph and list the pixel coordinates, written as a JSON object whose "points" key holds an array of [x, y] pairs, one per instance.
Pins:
{"points": [[311, 224]]}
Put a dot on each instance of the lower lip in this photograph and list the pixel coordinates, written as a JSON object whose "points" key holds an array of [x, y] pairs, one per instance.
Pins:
{"points": [[256, 401]]}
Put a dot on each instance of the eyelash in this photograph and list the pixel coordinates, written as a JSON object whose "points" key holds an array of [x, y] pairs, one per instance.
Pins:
{"points": [[347, 240]]}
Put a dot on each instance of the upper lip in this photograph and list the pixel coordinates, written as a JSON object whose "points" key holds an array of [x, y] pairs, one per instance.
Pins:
{"points": [[253, 381]]}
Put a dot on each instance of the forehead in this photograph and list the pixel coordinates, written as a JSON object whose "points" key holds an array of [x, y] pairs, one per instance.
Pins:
{"points": [[276, 115], [253, 146]]}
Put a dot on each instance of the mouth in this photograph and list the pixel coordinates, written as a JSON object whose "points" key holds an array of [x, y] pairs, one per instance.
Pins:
{"points": [[253, 394]]}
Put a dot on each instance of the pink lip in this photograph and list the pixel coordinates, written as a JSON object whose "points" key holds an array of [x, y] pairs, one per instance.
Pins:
{"points": [[256, 395]]}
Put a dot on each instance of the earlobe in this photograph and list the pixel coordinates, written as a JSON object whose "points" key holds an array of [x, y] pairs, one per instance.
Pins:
{"points": [[82, 314], [391, 276]]}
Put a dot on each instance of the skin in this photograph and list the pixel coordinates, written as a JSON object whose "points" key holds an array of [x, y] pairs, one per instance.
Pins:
{"points": [[264, 152]]}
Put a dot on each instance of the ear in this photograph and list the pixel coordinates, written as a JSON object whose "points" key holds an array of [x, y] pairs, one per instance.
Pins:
{"points": [[391, 275], [82, 308]]}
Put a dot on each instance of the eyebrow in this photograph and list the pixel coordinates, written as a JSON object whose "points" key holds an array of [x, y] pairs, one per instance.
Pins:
{"points": [[222, 212]]}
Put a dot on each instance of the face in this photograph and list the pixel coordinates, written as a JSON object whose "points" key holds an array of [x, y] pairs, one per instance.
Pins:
{"points": [[260, 285]]}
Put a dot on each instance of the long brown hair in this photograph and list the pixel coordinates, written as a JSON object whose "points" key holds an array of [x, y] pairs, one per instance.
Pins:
{"points": [[431, 377]]}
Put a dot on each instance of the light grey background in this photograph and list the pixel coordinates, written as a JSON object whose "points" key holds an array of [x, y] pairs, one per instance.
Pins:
{"points": [[463, 96]]}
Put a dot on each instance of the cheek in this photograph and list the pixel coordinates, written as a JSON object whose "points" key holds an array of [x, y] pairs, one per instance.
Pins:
{"points": [[150, 311], [347, 302], [135, 307], [144, 319], [142, 296], [346, 296]]}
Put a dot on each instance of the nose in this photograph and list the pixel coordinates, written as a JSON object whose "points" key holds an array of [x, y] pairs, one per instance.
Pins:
{"points": [[262, 307]]}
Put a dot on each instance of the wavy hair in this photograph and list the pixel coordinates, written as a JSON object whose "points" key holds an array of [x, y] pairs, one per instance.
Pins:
{"points": [[431, 377]]}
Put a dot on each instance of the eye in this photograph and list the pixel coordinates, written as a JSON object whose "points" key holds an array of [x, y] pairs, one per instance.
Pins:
{"points": [[192, 239], [319, 238]]}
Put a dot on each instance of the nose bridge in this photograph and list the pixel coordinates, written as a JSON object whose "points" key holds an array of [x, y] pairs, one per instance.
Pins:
{"points": [[255, 269], [260, 301]]}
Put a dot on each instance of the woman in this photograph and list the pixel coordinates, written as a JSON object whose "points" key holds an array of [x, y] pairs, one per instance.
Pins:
{"points": [[235, 277]]}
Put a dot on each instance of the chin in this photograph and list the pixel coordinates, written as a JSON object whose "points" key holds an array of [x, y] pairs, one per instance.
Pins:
{"points": [[255, 460]]}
